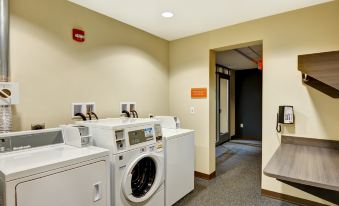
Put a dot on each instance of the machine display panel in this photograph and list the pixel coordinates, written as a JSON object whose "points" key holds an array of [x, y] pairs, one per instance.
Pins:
{"points": [[140, 136]]}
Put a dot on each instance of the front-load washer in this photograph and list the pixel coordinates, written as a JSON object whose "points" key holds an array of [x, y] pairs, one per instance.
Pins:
{"points": [[38, 169], [137, 159]]}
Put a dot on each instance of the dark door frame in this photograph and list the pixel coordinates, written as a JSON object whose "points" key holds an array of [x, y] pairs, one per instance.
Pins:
{"points": [[222, 72]]}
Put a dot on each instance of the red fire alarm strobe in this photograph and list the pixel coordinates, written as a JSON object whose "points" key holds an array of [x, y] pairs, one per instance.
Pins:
{"points": [[78, 35], [260, 64]]}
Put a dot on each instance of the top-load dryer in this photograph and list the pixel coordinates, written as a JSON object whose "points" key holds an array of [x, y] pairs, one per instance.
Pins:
{"points": [[38, 169], [179, 159], [137, 159]]}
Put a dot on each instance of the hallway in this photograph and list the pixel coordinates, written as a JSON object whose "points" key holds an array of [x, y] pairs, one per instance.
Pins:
{"points": [[238, 179]]}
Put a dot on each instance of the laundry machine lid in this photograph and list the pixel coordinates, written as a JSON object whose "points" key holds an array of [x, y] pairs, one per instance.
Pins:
{"points": [[143, 177], [117, 123], [14, 165], [174, 133]]}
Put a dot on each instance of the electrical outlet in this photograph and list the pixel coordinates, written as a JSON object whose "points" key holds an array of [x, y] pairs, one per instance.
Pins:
{"points": [[38, 126], [241, 125]]}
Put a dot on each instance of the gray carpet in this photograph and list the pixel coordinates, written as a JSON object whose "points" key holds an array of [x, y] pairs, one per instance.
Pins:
{"points": [[238, 181]]}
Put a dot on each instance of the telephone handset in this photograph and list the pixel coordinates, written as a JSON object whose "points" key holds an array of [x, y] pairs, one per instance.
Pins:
{"points": [[284, 116]]}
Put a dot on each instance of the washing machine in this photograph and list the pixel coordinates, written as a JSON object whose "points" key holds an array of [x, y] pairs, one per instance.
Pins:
{"points": [[38, 169], [137, 159]]}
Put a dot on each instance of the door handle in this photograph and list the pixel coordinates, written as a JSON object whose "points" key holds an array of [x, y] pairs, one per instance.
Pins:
{"points": [[97, 192]]}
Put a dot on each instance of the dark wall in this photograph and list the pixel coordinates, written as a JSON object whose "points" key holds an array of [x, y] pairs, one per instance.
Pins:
{"points": [[248, 103]]}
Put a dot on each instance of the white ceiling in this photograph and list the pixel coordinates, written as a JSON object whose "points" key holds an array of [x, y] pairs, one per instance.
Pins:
{"points": [[190, 16], [236, 61]]}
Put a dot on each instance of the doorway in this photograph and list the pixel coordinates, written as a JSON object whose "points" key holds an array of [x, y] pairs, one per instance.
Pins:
{"points": [[238, 74]]}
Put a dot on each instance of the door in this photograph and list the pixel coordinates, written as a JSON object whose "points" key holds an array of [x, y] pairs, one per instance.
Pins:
{"points": [[143, 177], [248, 85], [223, 108], [82, 186]]}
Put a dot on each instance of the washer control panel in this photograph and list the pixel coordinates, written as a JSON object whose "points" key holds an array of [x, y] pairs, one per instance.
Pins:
{"points": [[140, 136], [30, 139]]}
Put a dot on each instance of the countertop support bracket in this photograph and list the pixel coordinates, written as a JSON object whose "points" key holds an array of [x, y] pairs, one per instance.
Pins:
{"points": [[308, 164], [328, 195]]}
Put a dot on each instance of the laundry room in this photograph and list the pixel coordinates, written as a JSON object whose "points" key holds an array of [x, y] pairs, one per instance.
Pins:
{"points": [[160, 103]]}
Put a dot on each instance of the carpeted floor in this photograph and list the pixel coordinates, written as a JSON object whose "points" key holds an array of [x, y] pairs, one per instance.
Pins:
{"points": [[238, 179]]}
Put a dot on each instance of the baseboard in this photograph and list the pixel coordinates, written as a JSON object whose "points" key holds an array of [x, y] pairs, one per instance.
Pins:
{"points": [[288, 198], [245, 138], [205, 176]]}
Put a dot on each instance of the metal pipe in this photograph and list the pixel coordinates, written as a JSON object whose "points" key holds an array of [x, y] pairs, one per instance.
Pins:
{"points": [[4, 40], [5, 110]]}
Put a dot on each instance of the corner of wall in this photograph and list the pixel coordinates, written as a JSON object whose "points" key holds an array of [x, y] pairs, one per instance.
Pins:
{"points": [[212, 109]]}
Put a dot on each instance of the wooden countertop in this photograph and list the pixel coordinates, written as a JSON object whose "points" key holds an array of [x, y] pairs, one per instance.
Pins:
{"points": [[306, 161]]}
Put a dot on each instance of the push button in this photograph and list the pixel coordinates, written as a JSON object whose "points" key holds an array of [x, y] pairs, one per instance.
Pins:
{"points": [[142, 149]]}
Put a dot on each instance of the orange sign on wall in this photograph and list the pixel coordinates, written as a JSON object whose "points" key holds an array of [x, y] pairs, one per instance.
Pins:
{"points": [[199, 92]]}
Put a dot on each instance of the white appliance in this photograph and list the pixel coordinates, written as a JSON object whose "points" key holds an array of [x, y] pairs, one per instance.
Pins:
{"points": [[137, 159], [38, 169], [76, 135], [170, 122], [179, 160]]}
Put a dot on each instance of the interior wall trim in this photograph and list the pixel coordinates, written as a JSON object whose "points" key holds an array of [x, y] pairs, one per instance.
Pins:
{"points": [[288, 198], [235, 137], [205, 176]]}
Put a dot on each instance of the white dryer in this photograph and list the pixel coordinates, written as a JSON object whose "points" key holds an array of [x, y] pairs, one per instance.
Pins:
{"points": [[38, 169], [137, 159], [179, 163], [179, 159]]}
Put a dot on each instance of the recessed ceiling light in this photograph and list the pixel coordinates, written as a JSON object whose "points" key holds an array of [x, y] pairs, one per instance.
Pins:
{"points": [[167, 14]]}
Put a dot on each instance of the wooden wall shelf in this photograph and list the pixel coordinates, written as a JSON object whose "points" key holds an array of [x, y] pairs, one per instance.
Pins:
{"points": [[322, 71], [311, 165]]}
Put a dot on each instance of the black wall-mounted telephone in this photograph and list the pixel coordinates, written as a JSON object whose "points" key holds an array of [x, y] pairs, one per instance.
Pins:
{"points": [[284, 116]]}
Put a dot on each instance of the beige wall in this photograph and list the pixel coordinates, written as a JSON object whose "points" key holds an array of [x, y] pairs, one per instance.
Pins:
{"points": [[116, 63], [285, 36]]}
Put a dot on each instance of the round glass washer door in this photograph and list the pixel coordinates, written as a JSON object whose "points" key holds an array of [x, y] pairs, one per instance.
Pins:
{"points": [[143, 177]]}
